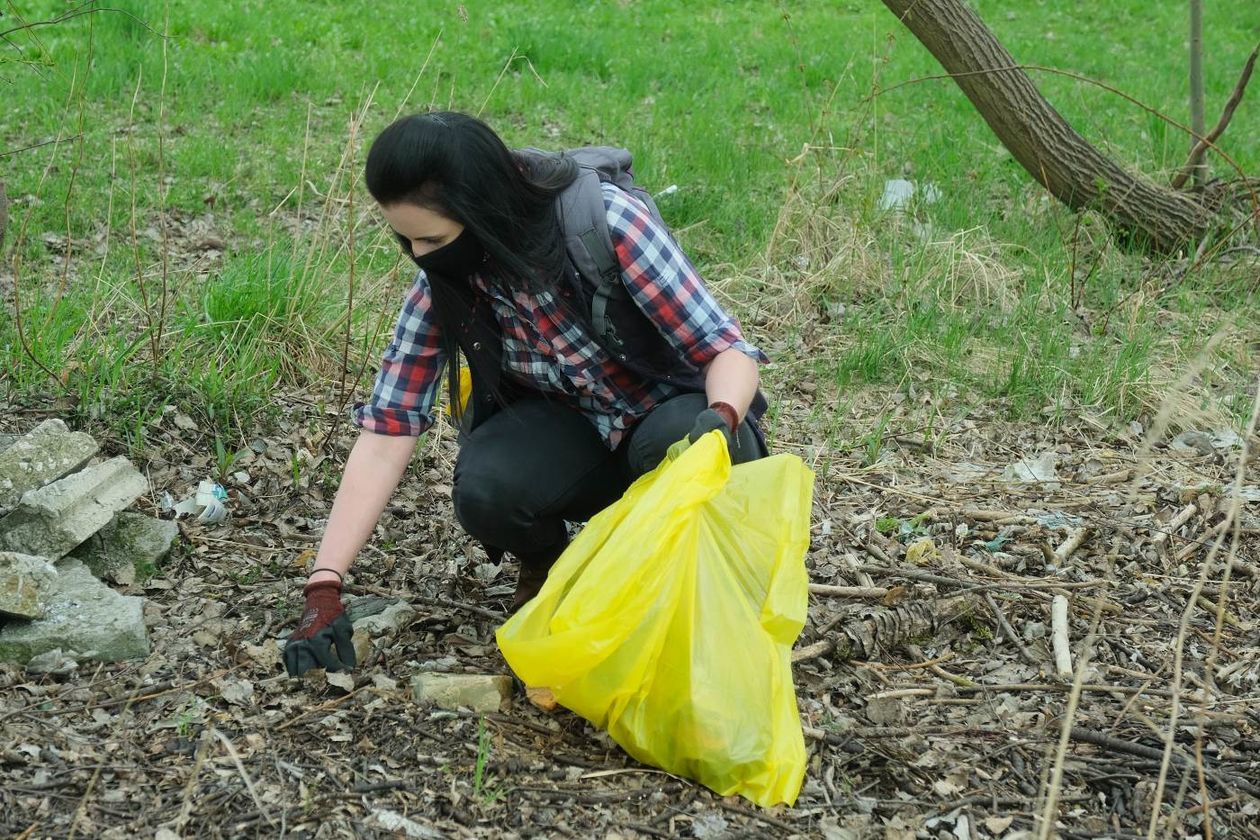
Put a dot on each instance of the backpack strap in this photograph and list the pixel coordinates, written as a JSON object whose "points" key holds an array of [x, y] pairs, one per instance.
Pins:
{"points": [[584, 220]]}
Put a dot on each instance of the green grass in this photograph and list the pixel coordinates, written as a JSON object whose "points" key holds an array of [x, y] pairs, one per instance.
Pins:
{"points": [[238, 120]]}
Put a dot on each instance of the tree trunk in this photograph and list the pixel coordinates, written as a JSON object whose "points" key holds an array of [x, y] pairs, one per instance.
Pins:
{"points": [[1149, 215]]}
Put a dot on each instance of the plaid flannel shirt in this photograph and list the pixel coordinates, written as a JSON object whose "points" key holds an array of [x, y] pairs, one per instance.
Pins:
{"points": [[549, 351]]}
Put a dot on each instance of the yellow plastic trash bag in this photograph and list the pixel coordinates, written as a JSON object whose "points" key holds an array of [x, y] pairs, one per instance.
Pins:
{"points": [[670, 620], [465, 390]]}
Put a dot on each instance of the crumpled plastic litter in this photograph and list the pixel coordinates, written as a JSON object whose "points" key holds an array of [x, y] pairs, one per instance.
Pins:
{"points": [[207, 503], [898, 193]]}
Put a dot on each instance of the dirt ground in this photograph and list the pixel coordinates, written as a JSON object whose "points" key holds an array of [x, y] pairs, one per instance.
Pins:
{"points": [[932, 710]]}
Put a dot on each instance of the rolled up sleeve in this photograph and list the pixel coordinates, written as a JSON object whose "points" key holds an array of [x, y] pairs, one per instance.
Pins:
{"points": [[667, 287], [406, 385]]}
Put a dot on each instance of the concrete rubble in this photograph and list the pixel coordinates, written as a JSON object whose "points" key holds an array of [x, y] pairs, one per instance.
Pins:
{"points": [[49, 452], [131, 543], [478, 692], [25, 582], [63, 527], [52, 520], [83, 615]]}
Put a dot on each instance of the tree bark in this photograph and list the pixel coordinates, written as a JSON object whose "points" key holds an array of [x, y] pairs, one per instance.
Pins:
{"points": [[885, 628], [1197, 124], [1147, 214]]}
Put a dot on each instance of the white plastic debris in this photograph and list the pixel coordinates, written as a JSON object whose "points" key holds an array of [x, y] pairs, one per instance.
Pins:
{"points": [[898, 192], [211, 497], [207, 504], [1033, 470]]}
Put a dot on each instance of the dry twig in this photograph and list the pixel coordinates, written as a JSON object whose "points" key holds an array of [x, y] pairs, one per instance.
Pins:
{"points": [[1206, 141], [1059, 637], [862, 592]]}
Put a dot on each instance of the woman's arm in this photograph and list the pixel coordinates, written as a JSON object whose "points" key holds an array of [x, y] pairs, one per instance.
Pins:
{"points": [[375, 467], [732, 378]]}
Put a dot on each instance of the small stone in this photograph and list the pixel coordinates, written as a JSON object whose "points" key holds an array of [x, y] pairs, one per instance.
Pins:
{"points": [[542, 698], [47, 453], [885, 711], [25, 584], [478, 692], [54, 662], [390, 620], [362, 606], [1193, 441]]}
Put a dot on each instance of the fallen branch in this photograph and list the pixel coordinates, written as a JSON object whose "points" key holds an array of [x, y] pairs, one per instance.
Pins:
{"points": [[1059, 636], [1069, 546], [1098, 739], [1161, 539], [1006, 628], [886, 628], [240, 768], [868, 592], [1205, 142], [4, 215]]}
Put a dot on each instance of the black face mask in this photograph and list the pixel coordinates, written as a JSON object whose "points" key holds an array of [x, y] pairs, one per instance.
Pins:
{"points": [[457, 259]]}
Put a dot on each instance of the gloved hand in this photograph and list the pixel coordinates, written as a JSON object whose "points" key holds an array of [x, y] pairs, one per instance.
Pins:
{"points": [[719, 415], [323, 637]]}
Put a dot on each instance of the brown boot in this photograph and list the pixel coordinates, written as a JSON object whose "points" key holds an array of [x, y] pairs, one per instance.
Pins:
{"points": [[529, 583], [534, 569]]}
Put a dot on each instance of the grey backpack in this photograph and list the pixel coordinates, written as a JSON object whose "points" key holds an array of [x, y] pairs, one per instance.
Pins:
{"points": [[584, 220]]}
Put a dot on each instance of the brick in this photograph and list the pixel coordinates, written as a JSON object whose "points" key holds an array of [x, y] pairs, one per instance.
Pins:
{"points": [[478, 692]]}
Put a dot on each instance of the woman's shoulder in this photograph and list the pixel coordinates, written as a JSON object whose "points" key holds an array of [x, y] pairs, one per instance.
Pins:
{"points": [[624, 209]]}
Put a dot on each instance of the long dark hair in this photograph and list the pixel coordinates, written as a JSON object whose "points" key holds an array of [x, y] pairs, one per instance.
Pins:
{"points": [[456, 165]]}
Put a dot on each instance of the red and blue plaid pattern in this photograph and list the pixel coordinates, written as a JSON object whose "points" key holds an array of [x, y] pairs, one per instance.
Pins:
{"points": [[548, 349]]}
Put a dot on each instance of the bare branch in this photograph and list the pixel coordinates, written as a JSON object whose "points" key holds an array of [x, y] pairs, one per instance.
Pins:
{"points": [[1196, 154], [4, 215], [79, 11]]}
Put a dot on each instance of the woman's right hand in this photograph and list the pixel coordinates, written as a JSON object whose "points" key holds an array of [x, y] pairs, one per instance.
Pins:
{"points": [[323, 638]]}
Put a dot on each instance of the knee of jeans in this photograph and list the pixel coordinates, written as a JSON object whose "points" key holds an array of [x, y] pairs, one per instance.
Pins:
{"points": [[479, 501]]}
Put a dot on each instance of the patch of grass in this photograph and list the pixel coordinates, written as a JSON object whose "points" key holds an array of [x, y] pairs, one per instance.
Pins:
{"points": [[485, 791], [191, 112]]}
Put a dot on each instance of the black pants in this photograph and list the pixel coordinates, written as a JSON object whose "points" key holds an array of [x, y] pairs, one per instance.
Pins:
{"points": [[521, 474]]}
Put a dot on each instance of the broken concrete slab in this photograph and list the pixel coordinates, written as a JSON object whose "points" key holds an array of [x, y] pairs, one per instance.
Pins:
{"points": [[47, 453], [26, 582], [390, 620], [478, 692], [84, 617], [54, 519], [132, 544], [359, 607]]}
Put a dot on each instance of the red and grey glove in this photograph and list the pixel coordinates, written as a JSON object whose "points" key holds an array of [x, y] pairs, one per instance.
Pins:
{"points": [[323, 636], [718, 415]]}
